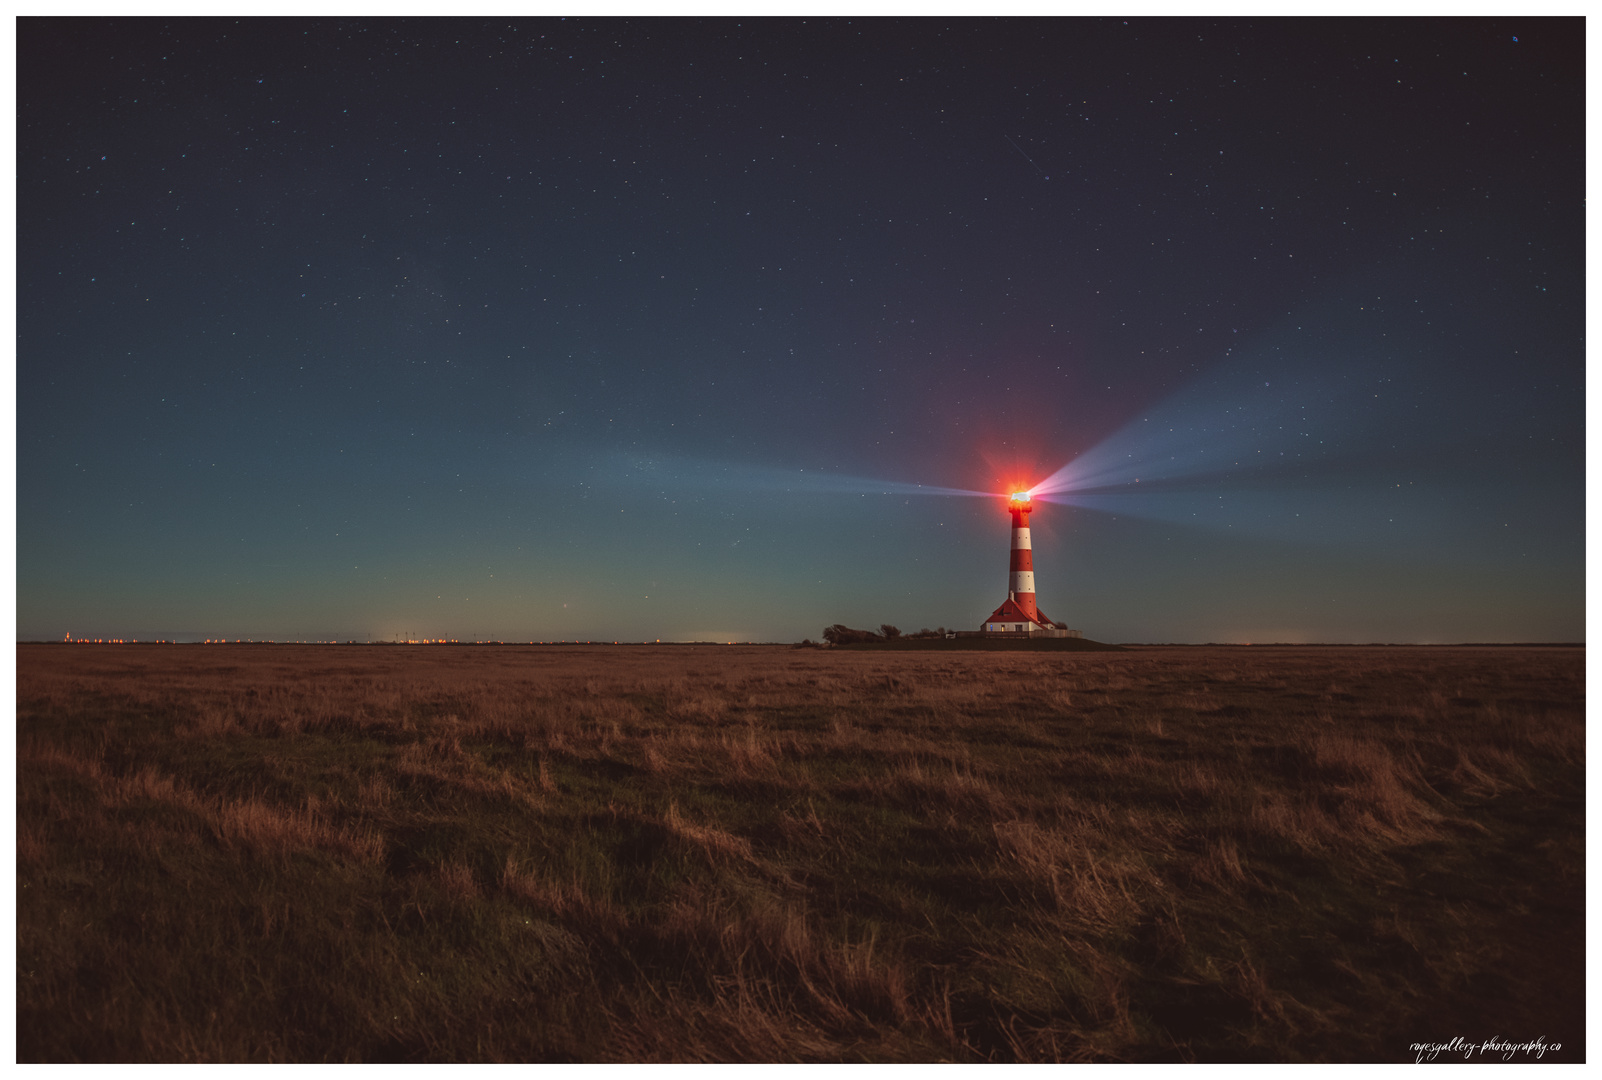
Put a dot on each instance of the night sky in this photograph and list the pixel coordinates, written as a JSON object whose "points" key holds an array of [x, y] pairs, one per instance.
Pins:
{"points": [[715, 329]]}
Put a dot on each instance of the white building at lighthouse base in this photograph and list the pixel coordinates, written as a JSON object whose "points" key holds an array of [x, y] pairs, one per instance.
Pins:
{"points": [[1011, 618]]}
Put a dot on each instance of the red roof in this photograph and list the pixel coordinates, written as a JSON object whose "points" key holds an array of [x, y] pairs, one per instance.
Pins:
{"points": [[1009, 611]]}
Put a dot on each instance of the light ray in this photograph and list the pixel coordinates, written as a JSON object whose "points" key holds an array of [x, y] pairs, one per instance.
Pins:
{"points": [[681, 472]]}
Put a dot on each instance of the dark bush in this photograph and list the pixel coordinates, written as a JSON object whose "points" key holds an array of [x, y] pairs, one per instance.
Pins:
{"points": [[839, 634]]}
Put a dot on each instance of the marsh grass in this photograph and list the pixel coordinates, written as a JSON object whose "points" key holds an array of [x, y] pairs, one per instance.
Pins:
{"points": [[283, 853]]}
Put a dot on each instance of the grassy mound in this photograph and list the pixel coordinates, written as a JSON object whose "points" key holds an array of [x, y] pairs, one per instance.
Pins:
{"points": [[972, 644]]}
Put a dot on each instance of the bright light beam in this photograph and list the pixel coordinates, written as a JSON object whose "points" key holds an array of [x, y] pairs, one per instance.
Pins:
{"points": [[1240, 448], [1244, 425], [679, 472]]}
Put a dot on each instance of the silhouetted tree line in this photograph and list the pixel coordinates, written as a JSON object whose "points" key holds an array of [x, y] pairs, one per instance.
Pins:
{"points": [[840, 634]]}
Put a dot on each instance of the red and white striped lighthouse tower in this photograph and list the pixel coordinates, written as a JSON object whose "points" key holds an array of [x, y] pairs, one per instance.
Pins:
{"points": [[1021, 579], [1019, 613]]}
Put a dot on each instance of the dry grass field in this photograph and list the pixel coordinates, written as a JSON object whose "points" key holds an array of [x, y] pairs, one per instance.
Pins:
{"points": [[230, 853]]}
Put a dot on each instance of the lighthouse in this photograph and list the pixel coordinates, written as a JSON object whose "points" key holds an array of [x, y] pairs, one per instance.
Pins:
{"points": [[1019, 614]]}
